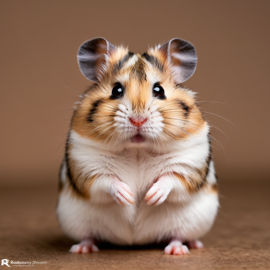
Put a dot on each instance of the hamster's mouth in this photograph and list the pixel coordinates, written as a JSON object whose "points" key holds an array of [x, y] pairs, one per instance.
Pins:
{"points": [[138, 138]]}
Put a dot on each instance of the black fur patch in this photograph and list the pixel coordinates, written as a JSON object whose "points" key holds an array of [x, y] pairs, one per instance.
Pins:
{"points": [[66, 158], [217, 178], [201, 184], [154, 61], [69, 174], [139, 71], [209, 158], [121, 63], [185, 108], [210, 143], [93, 110], [60, 184]]}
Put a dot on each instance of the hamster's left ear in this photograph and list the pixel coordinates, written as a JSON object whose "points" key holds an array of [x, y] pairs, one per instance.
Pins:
{"points": [[182, 58], [93, 56]]}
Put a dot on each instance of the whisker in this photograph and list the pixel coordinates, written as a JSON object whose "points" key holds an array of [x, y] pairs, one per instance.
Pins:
{"points": [[218, 102], [220, 131], [218, 142], [222, 118]]}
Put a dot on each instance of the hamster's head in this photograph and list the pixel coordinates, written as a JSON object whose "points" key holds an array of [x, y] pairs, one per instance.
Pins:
{"points": [[137, 100]]}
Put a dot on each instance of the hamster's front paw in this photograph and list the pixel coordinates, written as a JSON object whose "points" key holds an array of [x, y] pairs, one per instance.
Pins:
{"points": [[158, 193], [121, 192]]}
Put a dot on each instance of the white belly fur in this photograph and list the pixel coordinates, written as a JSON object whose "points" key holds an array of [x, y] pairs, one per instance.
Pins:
{"points": [[139, 223]]}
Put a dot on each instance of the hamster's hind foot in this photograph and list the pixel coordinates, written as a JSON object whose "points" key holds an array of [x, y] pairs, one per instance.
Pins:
{"points": [[195, 244], [85, 246], [176, 247]]}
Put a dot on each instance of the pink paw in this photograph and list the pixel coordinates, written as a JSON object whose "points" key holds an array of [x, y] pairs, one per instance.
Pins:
{"points": [[176, 248], [158, 193], [86, 246], [121, 192], [195, 244]]}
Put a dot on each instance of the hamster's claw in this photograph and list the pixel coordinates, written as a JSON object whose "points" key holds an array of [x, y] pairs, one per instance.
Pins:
{"points": [[122, 193], [176, 248], [86, 246], [157, 194]]}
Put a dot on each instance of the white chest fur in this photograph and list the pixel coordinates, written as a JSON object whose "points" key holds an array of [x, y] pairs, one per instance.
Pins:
{"points": [[139, 223], [139, 167]]}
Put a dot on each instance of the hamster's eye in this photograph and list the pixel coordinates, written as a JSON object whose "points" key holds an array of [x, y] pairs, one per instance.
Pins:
{"points": [[118, 91], [158, 91]]}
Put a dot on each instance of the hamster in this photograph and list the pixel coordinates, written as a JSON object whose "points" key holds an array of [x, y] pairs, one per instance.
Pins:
{"points": [[138, 167]]}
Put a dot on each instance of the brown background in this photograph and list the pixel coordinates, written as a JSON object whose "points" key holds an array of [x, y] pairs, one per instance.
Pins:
{"points": [[40, 79]]}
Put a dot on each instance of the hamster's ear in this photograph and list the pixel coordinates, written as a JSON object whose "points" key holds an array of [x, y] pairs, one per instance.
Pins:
{"points": [[182, 58], [93, 56]]}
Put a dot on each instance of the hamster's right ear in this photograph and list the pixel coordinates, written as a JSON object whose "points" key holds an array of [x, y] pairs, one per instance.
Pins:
{"points": [[93, 56], [182, 58]]}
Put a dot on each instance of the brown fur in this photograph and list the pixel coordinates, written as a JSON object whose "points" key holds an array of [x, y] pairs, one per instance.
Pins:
{"points": [[94, 116], [197, 179], [214, 188], [82, 183], [139, 90], [195, 183], [83, 188]]}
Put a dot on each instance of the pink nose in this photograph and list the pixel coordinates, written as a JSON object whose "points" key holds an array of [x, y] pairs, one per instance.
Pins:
{"points": [[137, 122]]}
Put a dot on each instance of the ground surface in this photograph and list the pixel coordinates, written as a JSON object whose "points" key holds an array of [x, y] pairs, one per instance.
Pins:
{"points": [[240, 238]]}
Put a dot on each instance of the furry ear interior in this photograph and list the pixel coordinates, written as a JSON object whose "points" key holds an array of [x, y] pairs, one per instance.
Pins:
{"points": [[92, 57], [182, 57]]}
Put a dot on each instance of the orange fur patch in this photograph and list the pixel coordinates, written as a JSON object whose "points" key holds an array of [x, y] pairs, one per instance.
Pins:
{"points": [[193, 183], [196, 179], [82, 183], [178, 124]]}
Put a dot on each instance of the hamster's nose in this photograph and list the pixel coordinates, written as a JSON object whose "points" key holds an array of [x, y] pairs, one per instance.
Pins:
{"points": [[137, 122]]}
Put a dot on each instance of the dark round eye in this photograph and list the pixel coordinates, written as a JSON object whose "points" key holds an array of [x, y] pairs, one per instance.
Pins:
{"points": [[158, 91], [118, 91]]}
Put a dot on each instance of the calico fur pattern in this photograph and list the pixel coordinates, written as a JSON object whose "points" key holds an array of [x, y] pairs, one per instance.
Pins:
{"points": [[175, 157]]}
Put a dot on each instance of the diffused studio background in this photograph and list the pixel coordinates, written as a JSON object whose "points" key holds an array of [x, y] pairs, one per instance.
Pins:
{"points": [[40, 78]]}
